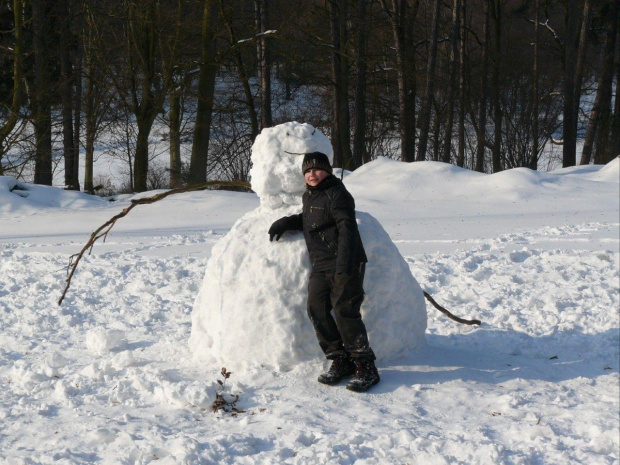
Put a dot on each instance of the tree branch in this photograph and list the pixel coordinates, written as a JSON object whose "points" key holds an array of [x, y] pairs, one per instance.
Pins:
{"points": [[105, 228], [448, 314]]}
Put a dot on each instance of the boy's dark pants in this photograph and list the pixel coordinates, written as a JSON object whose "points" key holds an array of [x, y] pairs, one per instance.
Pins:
{"points": [[343, 332]]}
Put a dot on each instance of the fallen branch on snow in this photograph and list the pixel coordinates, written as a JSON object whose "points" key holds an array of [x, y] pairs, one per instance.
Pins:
{"points": [[105, 228], [448, 314]]}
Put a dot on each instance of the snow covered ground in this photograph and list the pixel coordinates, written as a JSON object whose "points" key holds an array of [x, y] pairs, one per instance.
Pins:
{"points": [[109, 378]]}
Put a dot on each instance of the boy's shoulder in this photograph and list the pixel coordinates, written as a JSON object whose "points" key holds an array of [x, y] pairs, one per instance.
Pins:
{"points": [[337, 191]]}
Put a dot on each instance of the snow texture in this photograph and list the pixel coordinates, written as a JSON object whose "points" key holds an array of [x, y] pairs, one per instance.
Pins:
{"points": [[537, 383], [251, 309]]}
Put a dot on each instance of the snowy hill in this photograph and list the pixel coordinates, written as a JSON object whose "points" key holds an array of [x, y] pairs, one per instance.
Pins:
{"points": [[109, 378]]}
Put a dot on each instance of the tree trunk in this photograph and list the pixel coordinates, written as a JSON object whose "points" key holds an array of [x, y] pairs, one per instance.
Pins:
{"points": [[569, 146], [402, 20], [18, 72], [482, 115], [602, 150], [174, 119], [533, 164], [497, 109], [42, 113], [425, 113], [264, 63], [77, 106], [615, 130], [206, 91], [438, 114], [460, 159], [249, 97], [601, 104], [581, 54], [151, 65], [359, 146], [341, 125], [89, 114], [151, 74], [243, 75], [335, 64], [141, 158], [454, 43], [66, 94], [91, 124]]}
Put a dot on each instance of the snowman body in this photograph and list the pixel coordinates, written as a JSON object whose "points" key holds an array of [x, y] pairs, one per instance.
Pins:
{"points": [[251, 308]]}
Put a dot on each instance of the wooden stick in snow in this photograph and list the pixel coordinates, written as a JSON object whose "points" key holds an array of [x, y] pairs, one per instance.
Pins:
{"points": [[448, 314], [105, 228]]}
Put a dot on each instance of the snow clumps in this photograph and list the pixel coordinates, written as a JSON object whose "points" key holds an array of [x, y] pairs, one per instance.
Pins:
{"points": [[251, 308]]}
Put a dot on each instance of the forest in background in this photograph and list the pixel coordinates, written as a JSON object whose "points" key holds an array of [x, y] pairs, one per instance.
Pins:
{"points": [[482, 84]]}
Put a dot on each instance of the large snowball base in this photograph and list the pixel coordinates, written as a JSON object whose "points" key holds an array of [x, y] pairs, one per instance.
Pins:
{"points": [[251, 308]]}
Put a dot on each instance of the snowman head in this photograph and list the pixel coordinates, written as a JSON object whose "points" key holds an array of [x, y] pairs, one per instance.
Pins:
{"points": [[277, 155]]}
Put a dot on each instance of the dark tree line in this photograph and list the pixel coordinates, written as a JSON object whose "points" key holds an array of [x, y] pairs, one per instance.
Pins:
{"points": [[484, 84]]}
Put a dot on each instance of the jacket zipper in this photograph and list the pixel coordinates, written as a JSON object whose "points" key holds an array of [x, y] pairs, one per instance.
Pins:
{"points": [[330, 246]]}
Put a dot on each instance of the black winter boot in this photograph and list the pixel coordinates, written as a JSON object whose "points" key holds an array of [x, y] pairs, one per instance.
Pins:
{"points": [[366, 375], [341, 366]]}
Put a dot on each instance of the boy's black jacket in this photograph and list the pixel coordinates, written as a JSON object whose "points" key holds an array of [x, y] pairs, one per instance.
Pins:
{"points": [[330, 229]]}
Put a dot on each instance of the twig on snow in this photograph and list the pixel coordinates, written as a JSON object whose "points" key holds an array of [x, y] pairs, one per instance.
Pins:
{"points": [[105, 228], [448, 314]]}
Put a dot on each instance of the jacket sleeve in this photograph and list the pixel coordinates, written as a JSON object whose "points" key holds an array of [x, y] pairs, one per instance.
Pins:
{"points": [[343, 212], [296, 222]]}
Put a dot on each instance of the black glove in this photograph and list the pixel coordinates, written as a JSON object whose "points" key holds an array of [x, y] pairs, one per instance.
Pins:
{"points": [[278, 228]]}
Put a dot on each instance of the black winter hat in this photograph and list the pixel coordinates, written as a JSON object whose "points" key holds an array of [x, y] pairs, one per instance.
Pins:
{"points": [[317, 161]]}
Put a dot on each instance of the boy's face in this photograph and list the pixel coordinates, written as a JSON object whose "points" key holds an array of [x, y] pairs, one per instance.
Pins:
{"points": [[314, 177]]}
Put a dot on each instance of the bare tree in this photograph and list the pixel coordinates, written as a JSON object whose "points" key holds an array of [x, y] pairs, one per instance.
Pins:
{"points": [[341, 121], [615, 130], [65, 21], [425, 112], [206, 90], [401, 16], [240, 66], [150, 67], [603, 153], [460, 159], [18, 71], [40, 94], [98, 92], [359, 153], [482, 113], [263, 54], [534, 158], [77, 101], [495, 93], [569, 147], [600, 114], [174, 122], [454, 51]]}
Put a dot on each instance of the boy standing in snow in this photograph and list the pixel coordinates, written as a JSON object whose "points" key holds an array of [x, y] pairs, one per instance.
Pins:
{"points": [[338, 263]]}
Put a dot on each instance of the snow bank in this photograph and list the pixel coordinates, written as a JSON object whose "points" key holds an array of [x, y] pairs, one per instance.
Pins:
{"points": [[610, 172], [251, 308], [385, 178], [17, 195]]}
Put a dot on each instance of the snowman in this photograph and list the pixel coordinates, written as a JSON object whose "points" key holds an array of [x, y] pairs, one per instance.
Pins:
{"points": [[251, 308]]}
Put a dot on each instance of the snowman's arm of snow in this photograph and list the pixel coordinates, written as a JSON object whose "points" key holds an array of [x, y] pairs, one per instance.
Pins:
{"points": [[343, 212]]}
